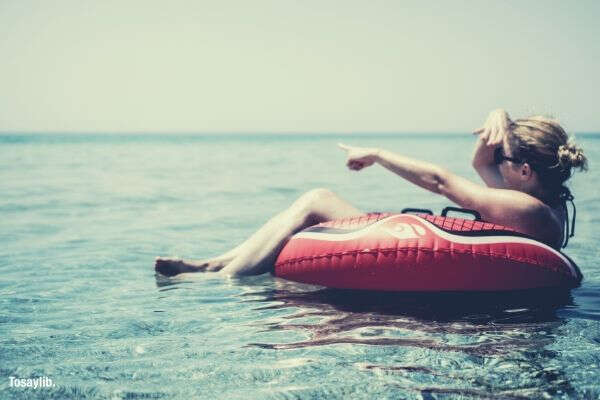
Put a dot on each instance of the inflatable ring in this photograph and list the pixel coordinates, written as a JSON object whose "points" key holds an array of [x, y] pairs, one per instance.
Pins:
{"points": [[422, 253]]}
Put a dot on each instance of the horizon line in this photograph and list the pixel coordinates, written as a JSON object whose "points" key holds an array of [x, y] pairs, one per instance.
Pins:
{"points": [[284, 133]]}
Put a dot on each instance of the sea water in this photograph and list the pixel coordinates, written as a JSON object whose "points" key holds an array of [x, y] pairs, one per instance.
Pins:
{"points": [[83, 216]]}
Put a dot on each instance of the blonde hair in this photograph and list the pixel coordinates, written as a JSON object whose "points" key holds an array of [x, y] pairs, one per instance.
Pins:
{"points": [[550, 151]]}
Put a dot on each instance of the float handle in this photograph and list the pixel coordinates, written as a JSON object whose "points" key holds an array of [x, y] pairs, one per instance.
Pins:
{"points": [[416, 210], [462, 210]]}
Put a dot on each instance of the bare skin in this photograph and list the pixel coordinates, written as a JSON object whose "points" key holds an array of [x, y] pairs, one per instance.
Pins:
{"points": [[257, 254], [511, 197], [515, 176]]}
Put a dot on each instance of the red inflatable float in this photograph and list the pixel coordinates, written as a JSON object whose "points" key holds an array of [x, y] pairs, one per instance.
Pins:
{"points": [[422, 253]]}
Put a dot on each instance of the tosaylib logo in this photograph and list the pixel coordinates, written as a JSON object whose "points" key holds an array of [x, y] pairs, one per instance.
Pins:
{"points": [[35, 383]]}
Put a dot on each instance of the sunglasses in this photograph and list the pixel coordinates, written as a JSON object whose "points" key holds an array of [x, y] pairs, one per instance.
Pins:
{"points": [[499, 157]]}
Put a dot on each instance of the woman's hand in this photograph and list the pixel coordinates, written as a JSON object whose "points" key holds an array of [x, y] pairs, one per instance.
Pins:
{"points": [[491, 135], [359, 157]]}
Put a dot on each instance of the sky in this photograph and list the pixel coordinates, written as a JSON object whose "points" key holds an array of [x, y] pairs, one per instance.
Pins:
{"points": [[295, 66]]}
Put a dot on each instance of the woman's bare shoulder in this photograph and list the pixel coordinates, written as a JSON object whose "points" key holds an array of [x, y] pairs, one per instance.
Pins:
{"points": [[539, 220], [523, 212], [519, 210]]}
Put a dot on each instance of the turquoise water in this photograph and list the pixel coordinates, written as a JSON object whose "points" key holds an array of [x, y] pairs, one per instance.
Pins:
{"points": [[83, 217]]}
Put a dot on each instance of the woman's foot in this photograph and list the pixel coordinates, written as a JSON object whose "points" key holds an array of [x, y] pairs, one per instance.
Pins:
{"points": [[174, 266]]}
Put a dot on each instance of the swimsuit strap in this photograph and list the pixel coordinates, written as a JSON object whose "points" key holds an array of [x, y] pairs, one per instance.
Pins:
{"points": [[565, 196]]}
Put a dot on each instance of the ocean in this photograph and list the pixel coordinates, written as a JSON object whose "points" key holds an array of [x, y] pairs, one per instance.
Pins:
{"points": [[84, 215]]}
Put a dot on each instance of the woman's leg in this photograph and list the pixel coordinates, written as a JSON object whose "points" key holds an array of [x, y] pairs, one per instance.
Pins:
{"points": [[258, 254]]}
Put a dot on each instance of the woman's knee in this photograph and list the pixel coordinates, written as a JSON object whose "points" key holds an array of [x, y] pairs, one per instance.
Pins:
{"points": [[315, 196], [307, 201], [308, 208], [318, 205]]}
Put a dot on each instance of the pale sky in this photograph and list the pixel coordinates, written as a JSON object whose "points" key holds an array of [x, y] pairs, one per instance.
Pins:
{"points": [[295, 66]]}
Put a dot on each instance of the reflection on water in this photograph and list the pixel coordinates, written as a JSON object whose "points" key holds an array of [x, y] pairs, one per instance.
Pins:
{"points": [[476, 307], [503, 334]]}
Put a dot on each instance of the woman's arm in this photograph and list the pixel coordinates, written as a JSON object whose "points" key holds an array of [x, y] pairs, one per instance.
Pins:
{"points": [[491, 136], [506, 207], [424, 174], [483, 162], [428, 176], [493, 204]]}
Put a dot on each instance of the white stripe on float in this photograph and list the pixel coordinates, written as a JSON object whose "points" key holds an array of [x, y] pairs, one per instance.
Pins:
{"points": [[340, 237]]}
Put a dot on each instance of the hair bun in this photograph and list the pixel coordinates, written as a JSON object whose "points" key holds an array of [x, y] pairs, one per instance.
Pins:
{"points": [[571, 156]]}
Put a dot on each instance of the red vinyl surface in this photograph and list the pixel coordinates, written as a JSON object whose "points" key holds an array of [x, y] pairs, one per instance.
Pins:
{"points": [[402, 252]]}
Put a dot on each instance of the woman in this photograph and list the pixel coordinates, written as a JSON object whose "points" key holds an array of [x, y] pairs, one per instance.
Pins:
{"points": [[524, 164]]}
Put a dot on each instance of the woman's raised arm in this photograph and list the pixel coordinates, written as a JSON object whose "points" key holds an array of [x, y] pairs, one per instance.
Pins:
{"points": [[490, 137]]}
